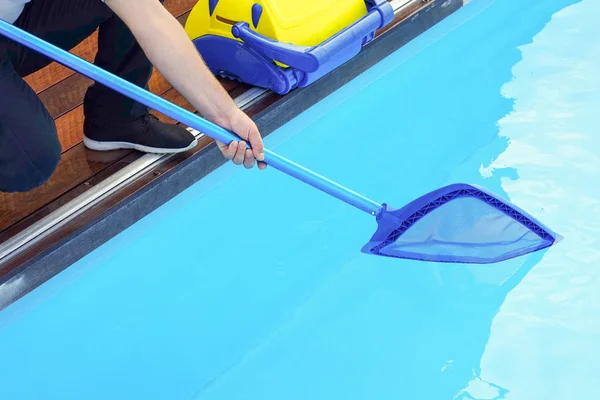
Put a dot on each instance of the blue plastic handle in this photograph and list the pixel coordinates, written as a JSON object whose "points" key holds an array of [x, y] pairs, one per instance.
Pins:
{"points": [[376, 18], [287, 53], [182, 115], [309, 59]]}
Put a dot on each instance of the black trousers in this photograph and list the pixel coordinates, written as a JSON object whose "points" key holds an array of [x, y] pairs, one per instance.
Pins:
{"points": [[29, 146]]}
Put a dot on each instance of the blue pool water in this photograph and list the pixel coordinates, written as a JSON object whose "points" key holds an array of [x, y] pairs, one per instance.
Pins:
{"points": [[251, 285]]}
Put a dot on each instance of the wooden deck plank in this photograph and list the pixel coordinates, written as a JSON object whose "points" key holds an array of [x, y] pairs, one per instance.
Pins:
{"points": [[65, 95]]}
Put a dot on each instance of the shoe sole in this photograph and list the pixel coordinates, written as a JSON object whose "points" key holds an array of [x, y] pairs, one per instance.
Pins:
{"points": [[108, 146]]}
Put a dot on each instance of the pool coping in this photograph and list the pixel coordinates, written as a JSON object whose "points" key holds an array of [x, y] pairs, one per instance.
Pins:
{"points": [[160, 182]]}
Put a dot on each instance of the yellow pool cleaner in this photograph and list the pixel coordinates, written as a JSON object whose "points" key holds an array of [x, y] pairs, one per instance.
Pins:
{"points": [[283, 44]]}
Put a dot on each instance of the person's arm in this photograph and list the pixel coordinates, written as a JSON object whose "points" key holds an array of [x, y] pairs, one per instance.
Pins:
{"points": [[170, 50]]}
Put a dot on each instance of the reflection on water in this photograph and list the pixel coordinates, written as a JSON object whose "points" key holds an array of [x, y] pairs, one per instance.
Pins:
{"points": [[544, 342]]}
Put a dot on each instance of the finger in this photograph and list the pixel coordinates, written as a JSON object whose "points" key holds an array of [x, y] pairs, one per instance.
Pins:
{"points": [[257, 144], [225, 149], [262, 166], [240, 152], [249, 159], [228, 151], [222, 146]]}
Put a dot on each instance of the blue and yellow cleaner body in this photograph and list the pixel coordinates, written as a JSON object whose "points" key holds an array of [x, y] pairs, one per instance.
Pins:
{"points": [[283, 44]]}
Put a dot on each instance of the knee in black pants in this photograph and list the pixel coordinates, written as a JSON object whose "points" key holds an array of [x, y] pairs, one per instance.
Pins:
{"points": [[27, 165], [29, 145]]}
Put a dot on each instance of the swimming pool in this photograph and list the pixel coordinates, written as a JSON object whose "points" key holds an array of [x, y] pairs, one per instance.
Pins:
{"points": [[250, 285]]}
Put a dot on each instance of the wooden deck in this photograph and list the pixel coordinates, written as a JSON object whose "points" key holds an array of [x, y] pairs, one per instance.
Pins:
{"points": [[80, 169]]}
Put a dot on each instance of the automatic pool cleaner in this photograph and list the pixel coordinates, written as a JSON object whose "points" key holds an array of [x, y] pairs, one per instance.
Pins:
{"points": [[283, 44]]}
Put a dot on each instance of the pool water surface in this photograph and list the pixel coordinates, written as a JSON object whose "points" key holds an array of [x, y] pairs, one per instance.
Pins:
{"points": [[251, 285]]}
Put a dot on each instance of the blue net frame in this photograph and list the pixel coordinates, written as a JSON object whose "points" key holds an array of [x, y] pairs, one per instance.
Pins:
{"points": [[394, 224]]}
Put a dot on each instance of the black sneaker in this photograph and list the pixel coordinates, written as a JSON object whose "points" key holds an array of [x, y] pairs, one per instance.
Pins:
{"points": [[146, 134]]}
